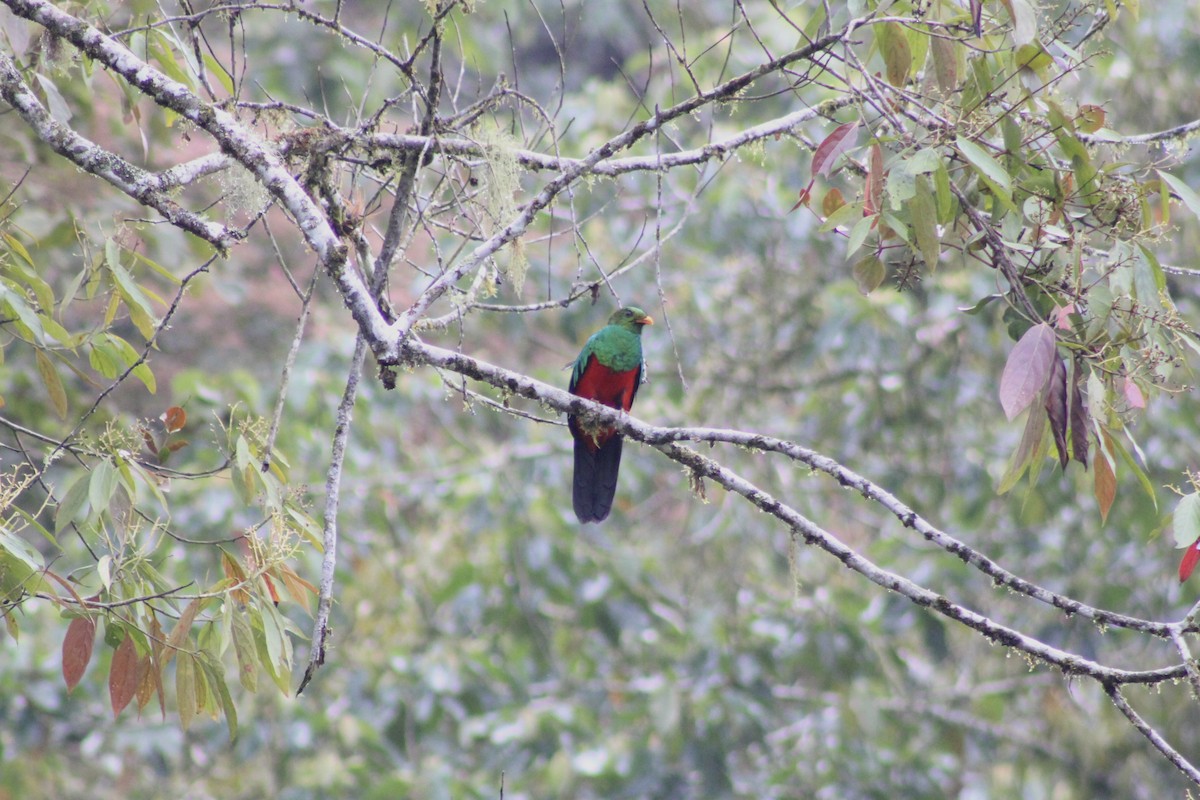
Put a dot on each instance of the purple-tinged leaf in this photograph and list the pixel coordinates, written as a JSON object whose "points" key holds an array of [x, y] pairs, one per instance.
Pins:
{"points": [[1080, 418], [834, 145], [1056, 407], [1027, 370]]}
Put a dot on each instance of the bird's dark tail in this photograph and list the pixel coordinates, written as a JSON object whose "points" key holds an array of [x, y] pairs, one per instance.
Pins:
{"points": [[595, 481]]}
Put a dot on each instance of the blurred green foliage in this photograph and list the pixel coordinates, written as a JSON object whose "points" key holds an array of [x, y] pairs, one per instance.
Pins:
{"points": [[481, 639]]}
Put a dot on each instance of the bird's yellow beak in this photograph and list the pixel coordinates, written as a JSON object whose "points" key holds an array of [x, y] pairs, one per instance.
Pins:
{"points": [[646, 320]]}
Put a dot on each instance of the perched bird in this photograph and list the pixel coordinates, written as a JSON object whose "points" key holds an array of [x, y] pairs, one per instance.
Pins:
{"points": [[609, 371]]}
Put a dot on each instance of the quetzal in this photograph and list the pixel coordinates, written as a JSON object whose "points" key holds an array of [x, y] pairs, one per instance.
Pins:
{"points": [[609, 371]]}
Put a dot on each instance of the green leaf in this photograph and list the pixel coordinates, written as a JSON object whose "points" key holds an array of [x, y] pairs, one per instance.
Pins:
{"points": [[1024, 21], [140, 311], [924, 221], [858, 234], [945, 197], [37, 526], [29, 322], [989, 170], [1032, 438], [901, 184], [215, 676], [73, 506], [1133, 464], [159, 48], [102, 486], [215, 68], [1186, 520], [869, 273], [21, 566], [845, 215], [1185, 192]]}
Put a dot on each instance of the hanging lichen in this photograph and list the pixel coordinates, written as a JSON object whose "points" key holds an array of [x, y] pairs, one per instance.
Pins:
{"points": [[500, 175]]}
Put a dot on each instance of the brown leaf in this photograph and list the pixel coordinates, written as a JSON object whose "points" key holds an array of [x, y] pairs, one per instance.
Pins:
{"points": [[173, 419], [182, 628], [148, 438], [1105, 479], [157, 647], [836, 143], [873, 197], [297, 588], [1056, 407], [77, 649], [123, 675], [1027, 369], [146, 681], [1080, 418], [235, 573], [832, 202]]}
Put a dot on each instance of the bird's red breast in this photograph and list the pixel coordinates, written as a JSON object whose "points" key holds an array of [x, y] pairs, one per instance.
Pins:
{"points": [[610, 387]]}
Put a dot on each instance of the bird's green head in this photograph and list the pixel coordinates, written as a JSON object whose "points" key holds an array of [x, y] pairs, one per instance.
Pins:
{"points": [[630, 318]]}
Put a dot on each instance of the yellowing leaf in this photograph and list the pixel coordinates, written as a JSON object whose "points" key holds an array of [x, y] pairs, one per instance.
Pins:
{"points": [[832, 202], [897, 55], [185, 688], [945, 63], [1091, 118], [52, 382]]}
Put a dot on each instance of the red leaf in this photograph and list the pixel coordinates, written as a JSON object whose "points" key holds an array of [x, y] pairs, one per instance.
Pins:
{"points": [[835, 144], [77, 649], [805, 197], [123, 675], [1027, 370], [1133, 394], [1191, 557]]}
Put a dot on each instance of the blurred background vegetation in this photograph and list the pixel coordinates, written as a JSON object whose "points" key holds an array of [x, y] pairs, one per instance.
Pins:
{"points": [[482, 640]]}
